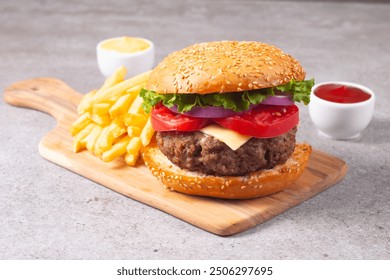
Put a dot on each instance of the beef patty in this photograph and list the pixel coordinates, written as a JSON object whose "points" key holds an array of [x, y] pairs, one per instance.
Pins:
{"points": [[197, 151]]}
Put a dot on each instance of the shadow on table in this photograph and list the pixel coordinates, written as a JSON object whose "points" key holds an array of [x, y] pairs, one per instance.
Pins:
{"points": [[377, 132]]}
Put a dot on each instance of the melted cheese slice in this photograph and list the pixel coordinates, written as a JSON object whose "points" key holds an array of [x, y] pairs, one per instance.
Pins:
{"points": [[231, 138]]}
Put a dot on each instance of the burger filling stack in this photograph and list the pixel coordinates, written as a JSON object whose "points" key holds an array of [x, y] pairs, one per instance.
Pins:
{"points": [[226, 119]]}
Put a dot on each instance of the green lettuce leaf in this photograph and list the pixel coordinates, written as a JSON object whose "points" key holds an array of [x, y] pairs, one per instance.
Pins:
{"points": [[300, 92]]}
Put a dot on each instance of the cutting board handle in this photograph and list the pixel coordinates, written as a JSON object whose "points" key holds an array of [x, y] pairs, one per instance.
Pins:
{"points": [[48, 95]]}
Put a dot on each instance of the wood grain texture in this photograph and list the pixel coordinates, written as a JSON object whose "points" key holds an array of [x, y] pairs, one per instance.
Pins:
{"points": [[222, 217]]}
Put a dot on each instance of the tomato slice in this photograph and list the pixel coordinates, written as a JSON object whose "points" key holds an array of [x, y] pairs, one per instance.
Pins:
{"points": [[163, 119], [264, 121]]}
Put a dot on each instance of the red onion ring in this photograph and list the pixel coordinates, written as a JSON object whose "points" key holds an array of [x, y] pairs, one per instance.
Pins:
{"points": [[278, 100]]}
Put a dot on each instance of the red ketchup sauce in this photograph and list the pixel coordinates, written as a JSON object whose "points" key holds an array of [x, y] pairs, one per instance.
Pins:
{"points": [[341, 93]]}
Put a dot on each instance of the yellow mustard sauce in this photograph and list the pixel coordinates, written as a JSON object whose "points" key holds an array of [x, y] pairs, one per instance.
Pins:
{"points": [[125, 45]]}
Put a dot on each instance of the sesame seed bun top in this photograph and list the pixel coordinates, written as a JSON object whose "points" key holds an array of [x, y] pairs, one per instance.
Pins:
{"points": [[226, 66]]}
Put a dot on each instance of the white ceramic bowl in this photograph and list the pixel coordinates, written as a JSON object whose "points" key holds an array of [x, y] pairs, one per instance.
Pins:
{"points": [[135, 63], [341, 120]]}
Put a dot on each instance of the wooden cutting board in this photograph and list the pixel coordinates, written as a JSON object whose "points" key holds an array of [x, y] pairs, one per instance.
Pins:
{"points": [[222, 217]]}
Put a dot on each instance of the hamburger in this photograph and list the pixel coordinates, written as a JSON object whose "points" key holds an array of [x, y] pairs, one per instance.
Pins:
{"points": [[226, 120]]}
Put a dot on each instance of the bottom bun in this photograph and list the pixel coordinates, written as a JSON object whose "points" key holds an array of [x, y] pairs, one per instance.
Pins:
{"points": [[254, 184]]}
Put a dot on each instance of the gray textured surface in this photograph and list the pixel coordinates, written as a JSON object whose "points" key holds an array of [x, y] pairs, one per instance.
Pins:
{"points": [[47, 212]]}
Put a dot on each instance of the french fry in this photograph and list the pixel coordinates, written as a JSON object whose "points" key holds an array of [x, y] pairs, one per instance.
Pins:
{"points": [[102, 120], [135, 120], [100, 113], [79, 139], [117, 128], [135, 89], [116, 150], [117, 77], [101, 108], [133, 149], [133, 131], [88, 99], [117, 94], [121, 106], [111, 120], [80, 123], [86, 103], [103, 142], [147, 133], [92, 137], [108, 136], [131, 159], [120, 88], [120, 122], [136, 106], [134, 145]]}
